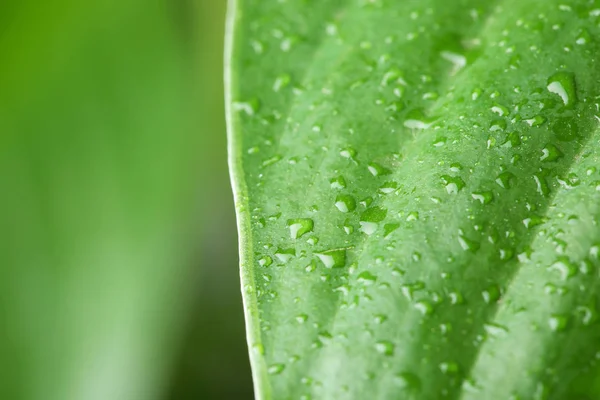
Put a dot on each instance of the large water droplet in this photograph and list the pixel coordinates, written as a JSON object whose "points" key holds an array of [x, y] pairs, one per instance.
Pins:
{"points": [[563, 84], [453, 184], [345, 203], [300, 226], [335, 258]]}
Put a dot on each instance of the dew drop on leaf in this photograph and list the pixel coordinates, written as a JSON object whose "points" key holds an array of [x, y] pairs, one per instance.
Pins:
{"points": [[345, 203], [453, 184], [408, 381], [335, 258], [564, 267], [557, 322], [338, 182], [385, 347], [300, 226], [378, 170], [285, 255], [491, 294], [275, 369], [563, 85]]}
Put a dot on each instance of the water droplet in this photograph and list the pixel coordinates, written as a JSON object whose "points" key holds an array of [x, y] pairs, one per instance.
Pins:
{"points": [[557, 322], [250, 107], [300, 226], [424, 307], [394, 75], [380, 318], [564, 267], [535, 121], [550, 153], [512, 140], [495, 329], [504, 179], [408, 381], [389, 228], [333, 258], [378, 170], [338, 182], [449, 367], [458, 60], [456, 298], [385, 347], [370, 218], [258, 348], [388, 187], [348, 152], [366, 278], [301, 318], [484, 197], [533, 220], [281, 82], [468, 244], [563, 84], [412, 216], [275, 369], [345, 203], [409, 289], [265, 261], [284, 255], [453, 184], [271, 160], [497, 125], [491, 294], [415, 119], [500, 110]]}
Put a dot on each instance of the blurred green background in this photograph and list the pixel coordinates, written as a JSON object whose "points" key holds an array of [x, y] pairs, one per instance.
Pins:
{"points": [[118, 254]]}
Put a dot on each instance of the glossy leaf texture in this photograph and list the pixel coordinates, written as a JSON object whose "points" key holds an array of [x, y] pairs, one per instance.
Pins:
{"points": [[417, 188]]}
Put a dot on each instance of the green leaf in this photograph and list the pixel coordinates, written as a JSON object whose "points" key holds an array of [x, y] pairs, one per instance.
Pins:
{"points": [[467, 131]]}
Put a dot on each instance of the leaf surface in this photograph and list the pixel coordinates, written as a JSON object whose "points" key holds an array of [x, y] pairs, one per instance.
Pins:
{"points": [[417, 193]]}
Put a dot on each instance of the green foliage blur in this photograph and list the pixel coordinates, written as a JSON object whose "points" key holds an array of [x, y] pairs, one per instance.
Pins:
{"points": [[118, 257]]}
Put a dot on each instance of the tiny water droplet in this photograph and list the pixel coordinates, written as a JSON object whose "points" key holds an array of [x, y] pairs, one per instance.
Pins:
{"points": [[385, 347], [408, 381], [276, 369], [495, 329], [449, 367], [557, 322], [301, 318]]}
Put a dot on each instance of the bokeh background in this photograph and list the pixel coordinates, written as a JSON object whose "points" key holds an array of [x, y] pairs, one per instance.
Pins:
{"points": [[118, 249]]}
